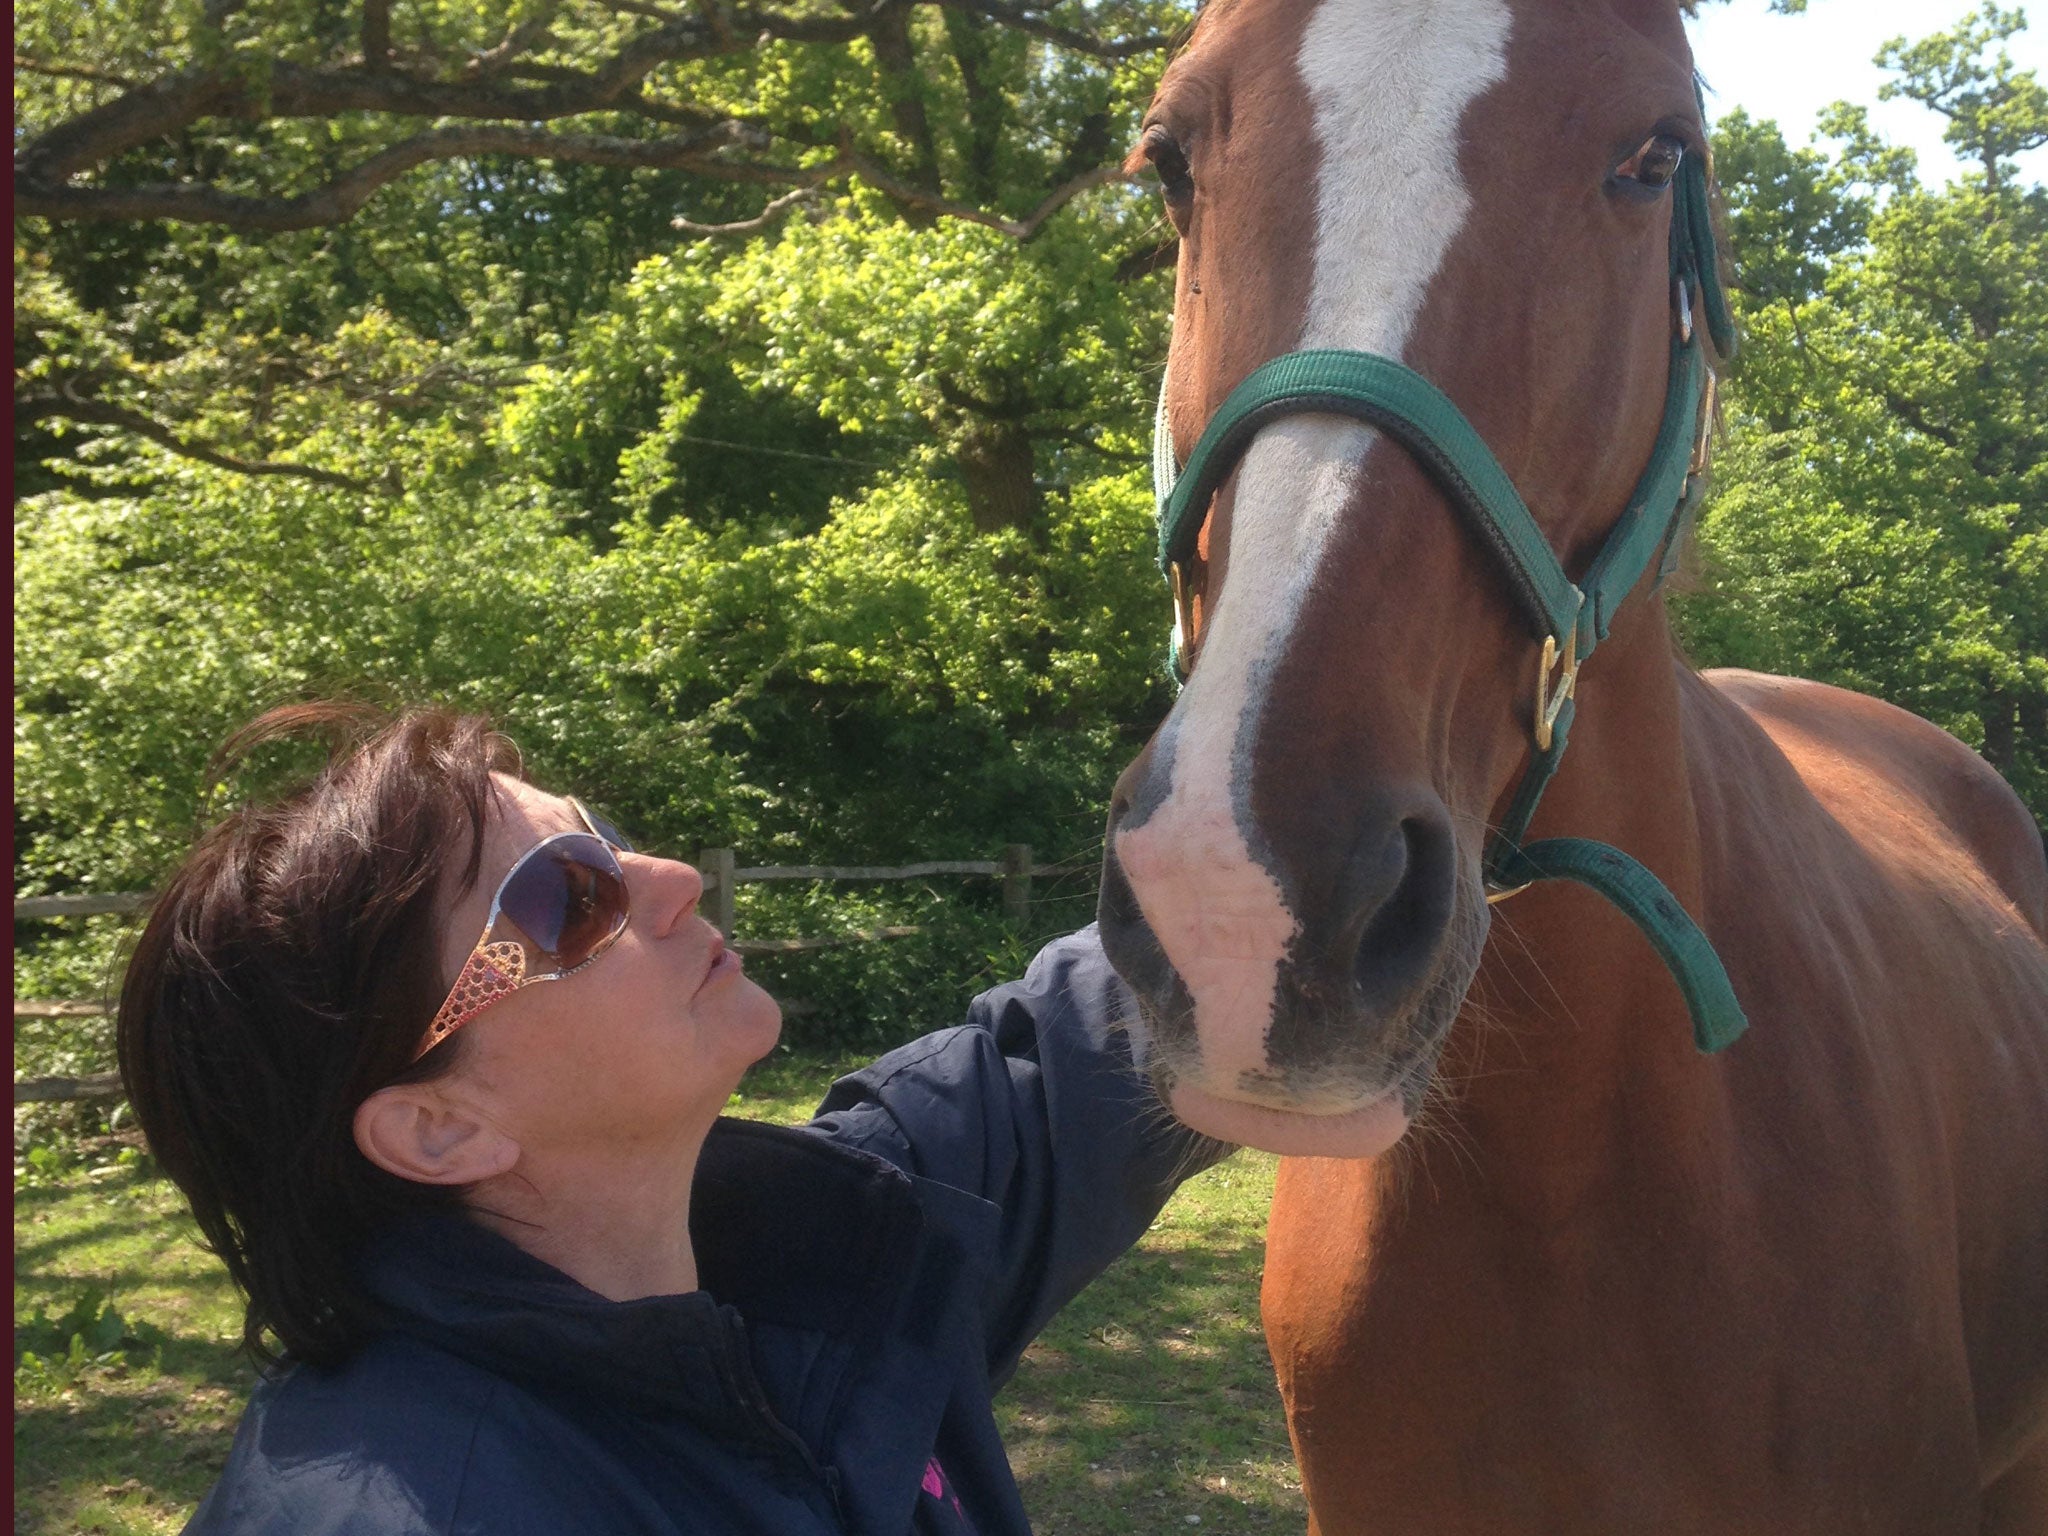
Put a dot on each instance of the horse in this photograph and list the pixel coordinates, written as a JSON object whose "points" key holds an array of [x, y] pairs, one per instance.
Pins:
{"points": [[1541, 1257]]}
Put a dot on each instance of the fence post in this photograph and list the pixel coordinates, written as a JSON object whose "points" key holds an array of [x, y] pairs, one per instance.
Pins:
{"points": [[716, 865], [1017, 882]]}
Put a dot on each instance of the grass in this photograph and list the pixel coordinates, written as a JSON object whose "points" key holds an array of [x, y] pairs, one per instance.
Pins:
{"points": [[1148, 1405], [123, 1439]]}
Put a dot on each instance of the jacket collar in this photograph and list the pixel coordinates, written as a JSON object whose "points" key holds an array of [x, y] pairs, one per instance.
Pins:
{"points": [[789, 1228]]}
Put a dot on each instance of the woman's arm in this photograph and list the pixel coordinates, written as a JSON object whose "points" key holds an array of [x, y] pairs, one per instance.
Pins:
{"points": [[1036, 1106]]}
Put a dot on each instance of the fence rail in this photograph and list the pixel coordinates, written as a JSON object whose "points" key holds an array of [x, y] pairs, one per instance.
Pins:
{"points": [[722, 876], [80, 906], [51, 1090]]}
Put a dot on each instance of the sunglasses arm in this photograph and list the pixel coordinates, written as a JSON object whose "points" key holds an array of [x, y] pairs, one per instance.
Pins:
{"points": [[491, 972]]}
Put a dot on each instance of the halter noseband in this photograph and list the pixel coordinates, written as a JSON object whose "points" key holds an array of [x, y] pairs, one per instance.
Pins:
{"points": [[1569, 619]]}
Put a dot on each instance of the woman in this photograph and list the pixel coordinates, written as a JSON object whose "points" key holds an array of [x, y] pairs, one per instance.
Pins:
{"points": [[438, 1060]]}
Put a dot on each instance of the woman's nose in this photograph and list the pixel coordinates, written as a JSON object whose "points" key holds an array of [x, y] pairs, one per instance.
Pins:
{"points": [[669, 888]]}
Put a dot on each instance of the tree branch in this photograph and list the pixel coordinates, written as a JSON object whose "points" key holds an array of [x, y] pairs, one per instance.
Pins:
{"points": [[896, 56], [1139, 264], [99, 413], [1081, 439], [339, 199], [1913, 416], [492, 61], [180, 98], [768, 215], [1024, 20], [177, 100], [506, 101], [1016, 229], [28, 66], [636, 8]]}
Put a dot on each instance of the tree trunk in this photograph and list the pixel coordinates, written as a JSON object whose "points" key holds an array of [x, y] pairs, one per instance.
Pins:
{"points": [[1998, 713], [970, 37], [997, 463], [895, 53]]}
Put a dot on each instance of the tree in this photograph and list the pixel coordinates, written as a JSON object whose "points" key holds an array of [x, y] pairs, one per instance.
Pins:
{"points": [[1995, 112], [813, 524], [485, 179], [1881, 517], [623, 85]]}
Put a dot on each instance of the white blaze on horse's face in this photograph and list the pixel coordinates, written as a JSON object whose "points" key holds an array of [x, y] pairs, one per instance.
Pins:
{"points": [[1388, 82]]}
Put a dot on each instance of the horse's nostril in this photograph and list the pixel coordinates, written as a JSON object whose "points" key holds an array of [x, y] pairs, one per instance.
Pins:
{"points": [[1403, 891]]}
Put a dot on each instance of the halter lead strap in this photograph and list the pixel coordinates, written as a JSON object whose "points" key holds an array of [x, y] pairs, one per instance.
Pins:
{"points": [[1570, 619]]}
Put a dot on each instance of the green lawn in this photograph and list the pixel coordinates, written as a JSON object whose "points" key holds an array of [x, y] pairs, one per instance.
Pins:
{"points": [[1149, 1404]]}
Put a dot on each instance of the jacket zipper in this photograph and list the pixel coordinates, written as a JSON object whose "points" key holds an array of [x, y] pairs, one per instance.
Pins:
{"points": [[746, 1386]]}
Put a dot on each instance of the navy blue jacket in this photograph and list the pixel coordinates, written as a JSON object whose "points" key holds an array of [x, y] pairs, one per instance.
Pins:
{"points": [[870, 1280]]}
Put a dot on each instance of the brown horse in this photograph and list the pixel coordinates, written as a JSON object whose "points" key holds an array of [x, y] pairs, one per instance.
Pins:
{"points": [[1535, 1263]]}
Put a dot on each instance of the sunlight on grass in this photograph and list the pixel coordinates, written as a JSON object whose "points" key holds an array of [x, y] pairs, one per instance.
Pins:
{"points": [[125, 1440], [1148, 1404]]}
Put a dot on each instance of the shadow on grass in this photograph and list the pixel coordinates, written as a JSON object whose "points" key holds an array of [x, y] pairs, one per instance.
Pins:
{"points": [[165, 1432], [129, 1442], [1151, 1400], [152, 1436], [139, 1230]]}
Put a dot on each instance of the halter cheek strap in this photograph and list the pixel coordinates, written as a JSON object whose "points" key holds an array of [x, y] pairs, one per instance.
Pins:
{"points": [[1569, 619]]}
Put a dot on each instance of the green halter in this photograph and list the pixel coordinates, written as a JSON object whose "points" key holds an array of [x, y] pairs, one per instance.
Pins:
{"points": [[1569, 619]]}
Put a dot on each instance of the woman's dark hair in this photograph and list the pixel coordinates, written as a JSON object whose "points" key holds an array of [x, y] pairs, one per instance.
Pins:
{"points": [[288, 970]]}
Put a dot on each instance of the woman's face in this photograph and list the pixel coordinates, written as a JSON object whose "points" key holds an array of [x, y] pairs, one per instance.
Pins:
{"points": [[642, 1046]]}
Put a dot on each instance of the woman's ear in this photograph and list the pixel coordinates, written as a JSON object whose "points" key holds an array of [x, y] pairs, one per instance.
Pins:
{"points": [[417, 1133]]}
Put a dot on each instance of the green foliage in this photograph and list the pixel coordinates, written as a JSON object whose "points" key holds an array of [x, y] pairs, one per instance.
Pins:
{"points": [[1994, 111], [832, 544], [1791, 212], [1881, 512], [825, 546], [1044, 335], [889, 687], [54, 1352]]}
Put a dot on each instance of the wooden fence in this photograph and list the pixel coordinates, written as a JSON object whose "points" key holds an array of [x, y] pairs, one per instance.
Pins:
{"points": [[723, 875]]}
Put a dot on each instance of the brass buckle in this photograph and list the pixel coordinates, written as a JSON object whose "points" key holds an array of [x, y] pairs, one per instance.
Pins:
{"points": [[1180, 623], [1495, 898], [1548, 703]]}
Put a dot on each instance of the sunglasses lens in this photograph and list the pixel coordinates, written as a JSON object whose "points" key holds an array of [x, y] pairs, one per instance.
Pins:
{"points": [[568, 898]]}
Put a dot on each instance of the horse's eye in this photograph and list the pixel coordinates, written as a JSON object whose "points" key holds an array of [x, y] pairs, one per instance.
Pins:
{"points": [[1655, 163], [1168, 159]]}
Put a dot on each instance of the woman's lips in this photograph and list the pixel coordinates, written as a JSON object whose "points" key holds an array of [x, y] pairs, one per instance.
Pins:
{"points": [[724, 962]]}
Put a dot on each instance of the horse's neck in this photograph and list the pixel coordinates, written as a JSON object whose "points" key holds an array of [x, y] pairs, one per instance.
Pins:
{"points": [[1575, 1042]]}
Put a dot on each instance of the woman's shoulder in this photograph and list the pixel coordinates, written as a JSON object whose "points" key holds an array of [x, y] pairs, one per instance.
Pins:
{"points": [[406, 1439], [380, 1443]]}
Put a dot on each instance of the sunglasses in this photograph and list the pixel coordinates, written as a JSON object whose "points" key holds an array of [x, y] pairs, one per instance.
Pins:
{"points": [[562, 904]]}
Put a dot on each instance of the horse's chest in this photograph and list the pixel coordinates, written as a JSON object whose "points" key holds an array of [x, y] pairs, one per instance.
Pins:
{"points": [[1448, 1377]]}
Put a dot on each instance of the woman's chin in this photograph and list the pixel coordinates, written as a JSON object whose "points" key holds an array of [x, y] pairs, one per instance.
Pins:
{"points": [[760, 1018], [1365, 1130]]}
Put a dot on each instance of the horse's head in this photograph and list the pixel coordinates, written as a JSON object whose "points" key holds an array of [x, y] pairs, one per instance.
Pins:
{"points": [[1481, 189]]}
